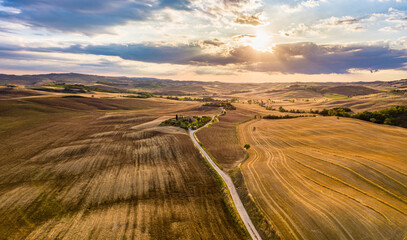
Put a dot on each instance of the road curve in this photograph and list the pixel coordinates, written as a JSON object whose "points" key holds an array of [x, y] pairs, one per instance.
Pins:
{"points": [[235, 197]]}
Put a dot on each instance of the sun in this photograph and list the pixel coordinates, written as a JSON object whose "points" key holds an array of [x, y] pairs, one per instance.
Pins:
{"points": [[261, 42]]}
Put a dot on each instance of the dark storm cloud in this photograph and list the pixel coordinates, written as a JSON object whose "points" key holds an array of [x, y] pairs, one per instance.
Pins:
{"points": [[305, 58], [89, 16]]}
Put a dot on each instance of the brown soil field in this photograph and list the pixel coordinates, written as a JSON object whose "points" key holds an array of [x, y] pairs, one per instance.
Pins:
{"points": [[75, 168], [328, 178]]}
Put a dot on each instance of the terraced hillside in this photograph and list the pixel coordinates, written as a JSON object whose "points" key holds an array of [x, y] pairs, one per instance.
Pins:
{"points": [[78, 168], [328, 178]]}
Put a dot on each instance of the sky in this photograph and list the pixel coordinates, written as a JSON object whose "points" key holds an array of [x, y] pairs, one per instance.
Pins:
{"points": [[212, 40]]}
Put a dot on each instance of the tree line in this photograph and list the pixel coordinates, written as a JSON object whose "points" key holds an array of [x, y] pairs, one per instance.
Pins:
{"points": [[396, 116]]}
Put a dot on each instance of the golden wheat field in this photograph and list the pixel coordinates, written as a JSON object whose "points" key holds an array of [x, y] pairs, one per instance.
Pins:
{"points": [[328, 178], [74, 168]]}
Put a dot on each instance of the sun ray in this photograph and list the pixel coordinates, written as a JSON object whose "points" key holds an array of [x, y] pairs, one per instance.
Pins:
{"points": [[262, 42]]}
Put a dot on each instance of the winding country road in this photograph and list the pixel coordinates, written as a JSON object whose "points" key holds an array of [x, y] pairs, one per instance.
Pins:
{"points": [[235, 197]]}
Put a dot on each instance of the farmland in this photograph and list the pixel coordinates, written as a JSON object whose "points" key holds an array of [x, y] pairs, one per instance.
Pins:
{"points": [[97, 165], [328, 178], [221, 140], [84, 168]]}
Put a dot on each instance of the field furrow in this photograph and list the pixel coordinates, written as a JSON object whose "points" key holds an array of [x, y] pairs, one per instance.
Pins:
{"points": [[109, 176], [314, 182]]}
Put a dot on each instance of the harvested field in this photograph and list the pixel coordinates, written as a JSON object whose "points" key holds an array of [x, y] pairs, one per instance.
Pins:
{"points": [[71, 170], [221, 140], [6, 92], [371, 102], [328, 178]]}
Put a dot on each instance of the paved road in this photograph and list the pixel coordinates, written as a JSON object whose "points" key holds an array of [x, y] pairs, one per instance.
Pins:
{"points": [[235, 197]]}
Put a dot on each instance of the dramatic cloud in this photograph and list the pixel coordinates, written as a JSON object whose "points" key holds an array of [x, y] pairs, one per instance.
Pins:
{"points": [[90, 16], [309, 58], [197, 37], [306, 58], [100, 16]]}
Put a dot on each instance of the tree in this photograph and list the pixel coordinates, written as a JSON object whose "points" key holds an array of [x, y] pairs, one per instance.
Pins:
{"points": [[388, 121], [247, 146]]}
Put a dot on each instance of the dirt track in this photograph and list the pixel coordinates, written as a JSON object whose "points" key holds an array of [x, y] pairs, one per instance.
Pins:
{"points": [[327, 178]]}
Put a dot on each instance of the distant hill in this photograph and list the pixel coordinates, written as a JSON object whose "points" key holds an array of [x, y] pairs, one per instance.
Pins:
{"points": [[147, 82], [347, 90], [315, 90], [180, 88], [86, 79]]}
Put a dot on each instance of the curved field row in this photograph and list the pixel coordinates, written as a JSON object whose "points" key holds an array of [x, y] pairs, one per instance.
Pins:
{"points": [[324, 178]]}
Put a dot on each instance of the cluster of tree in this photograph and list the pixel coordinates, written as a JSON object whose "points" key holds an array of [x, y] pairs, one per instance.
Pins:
{"points": [[285, 116], [204, 99], [260, 102], [281, 109], [296, 111], [238, 91], [183, 98], [399, 91], [185, 122], [396, 116], [340, 112], [141, 95], [73, 96], [79, 88], [225, 104]]}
